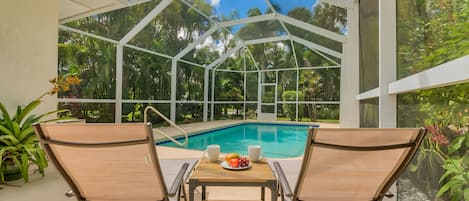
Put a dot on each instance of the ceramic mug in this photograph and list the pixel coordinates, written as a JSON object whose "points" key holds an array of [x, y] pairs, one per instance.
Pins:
{"points": [[213, 152], [254, 152]]}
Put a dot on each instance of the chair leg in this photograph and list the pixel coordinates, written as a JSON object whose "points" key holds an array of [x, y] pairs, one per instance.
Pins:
{"points": [[179, 193], [263, 193], [204, 193], [184, 195], [282, 198]]}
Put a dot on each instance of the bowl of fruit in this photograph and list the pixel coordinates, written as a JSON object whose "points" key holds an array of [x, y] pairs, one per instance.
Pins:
{"points": [[235, 162]]}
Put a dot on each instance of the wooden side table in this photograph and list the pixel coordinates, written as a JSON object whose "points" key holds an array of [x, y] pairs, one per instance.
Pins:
{"points": [[212, 174]]}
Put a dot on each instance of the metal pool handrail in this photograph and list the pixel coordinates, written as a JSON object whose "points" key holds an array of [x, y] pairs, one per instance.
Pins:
{"points": [[145, 119]]}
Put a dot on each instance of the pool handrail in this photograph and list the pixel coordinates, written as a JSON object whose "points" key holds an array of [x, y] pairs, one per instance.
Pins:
{"points": [[171, 123]]}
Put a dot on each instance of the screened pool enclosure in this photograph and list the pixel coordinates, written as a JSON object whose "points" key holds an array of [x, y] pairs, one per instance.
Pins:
{"points": [[360, 63], [198, 60]]}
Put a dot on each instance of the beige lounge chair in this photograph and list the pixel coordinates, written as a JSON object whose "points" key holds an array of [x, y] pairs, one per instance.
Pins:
{"points": [[348, 164], [112, 161]]}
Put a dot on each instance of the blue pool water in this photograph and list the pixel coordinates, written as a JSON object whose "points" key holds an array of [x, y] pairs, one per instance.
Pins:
{"points": [[276, 140]]}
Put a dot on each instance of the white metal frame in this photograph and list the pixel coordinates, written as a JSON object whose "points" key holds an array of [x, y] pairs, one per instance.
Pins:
{"points": [[447, 74], [145, 21], [387, 62], [213, 67], [341, 3], [450, 73], [119, 77], [349, 83]]}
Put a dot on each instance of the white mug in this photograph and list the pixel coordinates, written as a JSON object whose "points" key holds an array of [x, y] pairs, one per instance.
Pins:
{"points": [[254, 153], [213, 151]]}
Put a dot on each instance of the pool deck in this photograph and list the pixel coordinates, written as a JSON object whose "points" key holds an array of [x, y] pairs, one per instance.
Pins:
{"points": [[52, 187]]}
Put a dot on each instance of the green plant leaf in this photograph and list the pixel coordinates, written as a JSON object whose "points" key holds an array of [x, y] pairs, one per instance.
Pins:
{"points": [[5, 115], [444, 188], [456, 144], [28, 122], [40, 160], [42, 156], [458, 178], [25, 133], [456, 193], [467, 140], [445, 175], [6, 131], [19, 165], [18, 110], [12, 139], [29, 140], [450, 165], [466, 194], [25, 166], [5, 143], [16, 129], [413, 168], [30, 107]]}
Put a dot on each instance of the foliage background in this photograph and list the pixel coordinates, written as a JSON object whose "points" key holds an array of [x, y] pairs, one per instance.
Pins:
{"points": [[432, 32]]}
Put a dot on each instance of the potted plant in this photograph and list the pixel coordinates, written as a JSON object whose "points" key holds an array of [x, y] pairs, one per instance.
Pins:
{"points": [[19, 146]]}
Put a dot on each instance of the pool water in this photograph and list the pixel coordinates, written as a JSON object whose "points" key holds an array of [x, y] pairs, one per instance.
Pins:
{"points": [[276, 140]]}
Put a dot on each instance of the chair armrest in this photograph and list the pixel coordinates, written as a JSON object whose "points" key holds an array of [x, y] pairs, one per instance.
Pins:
{"points": [[178, 181], [283, 180]]}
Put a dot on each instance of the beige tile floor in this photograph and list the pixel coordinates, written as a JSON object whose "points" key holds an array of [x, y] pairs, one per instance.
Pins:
{"points": [[52, 187]]}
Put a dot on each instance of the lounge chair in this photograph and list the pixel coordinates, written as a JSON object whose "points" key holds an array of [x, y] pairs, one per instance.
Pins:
{"points": [[348, 164], [112, 161]]}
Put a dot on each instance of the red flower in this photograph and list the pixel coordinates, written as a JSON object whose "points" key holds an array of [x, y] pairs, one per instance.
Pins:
{"points": [[432, 129], [440, 139]]}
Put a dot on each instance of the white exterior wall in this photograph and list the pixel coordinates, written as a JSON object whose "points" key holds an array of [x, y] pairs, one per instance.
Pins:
{"points": [[28, 51]]}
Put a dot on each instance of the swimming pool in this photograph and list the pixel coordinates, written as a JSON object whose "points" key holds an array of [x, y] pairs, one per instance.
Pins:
{"points": [[276, 140]]}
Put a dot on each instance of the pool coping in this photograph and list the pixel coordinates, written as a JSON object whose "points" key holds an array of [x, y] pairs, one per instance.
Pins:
{"points": [[160, 141]]}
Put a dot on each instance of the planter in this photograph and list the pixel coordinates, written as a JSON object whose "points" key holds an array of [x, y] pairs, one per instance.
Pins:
{"points": [[11, 171]]}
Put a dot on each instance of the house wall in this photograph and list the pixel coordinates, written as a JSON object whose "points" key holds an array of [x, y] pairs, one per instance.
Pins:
{"points": [[28, 51]]}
